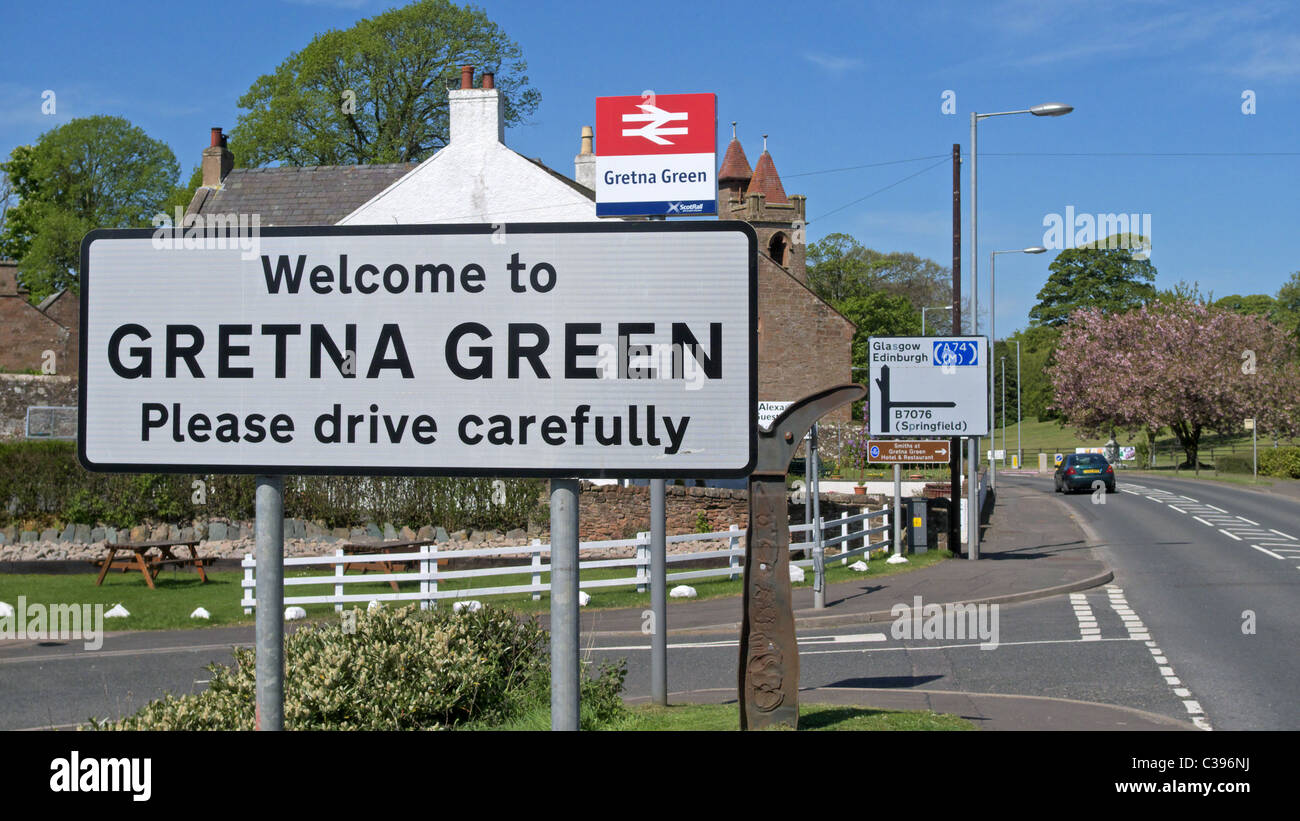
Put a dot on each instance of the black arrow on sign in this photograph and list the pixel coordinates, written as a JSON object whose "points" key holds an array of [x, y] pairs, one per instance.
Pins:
{"points": [[882, 382]]}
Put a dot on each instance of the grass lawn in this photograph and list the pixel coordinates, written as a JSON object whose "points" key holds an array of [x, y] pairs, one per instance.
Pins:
{"points": [[178, 593], [723, 717]]}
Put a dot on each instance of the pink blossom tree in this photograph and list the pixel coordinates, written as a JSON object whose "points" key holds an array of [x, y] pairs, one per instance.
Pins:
{"points": [[1179, 363]]}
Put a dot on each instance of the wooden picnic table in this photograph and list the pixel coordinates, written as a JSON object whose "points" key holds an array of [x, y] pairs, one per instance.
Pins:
{"points": [[354, 548], [149, 565]]}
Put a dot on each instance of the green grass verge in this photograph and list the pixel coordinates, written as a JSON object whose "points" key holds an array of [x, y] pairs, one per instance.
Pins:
{"points": [[723, 717], [178, 593]]}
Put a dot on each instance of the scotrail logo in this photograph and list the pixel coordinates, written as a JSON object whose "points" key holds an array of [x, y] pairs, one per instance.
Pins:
{"points": [[685, 207], [949, 622]]}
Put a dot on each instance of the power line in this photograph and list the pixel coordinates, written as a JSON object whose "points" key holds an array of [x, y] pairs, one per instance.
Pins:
{"points": [[1142, 154], [868, 165], [943, 161]]}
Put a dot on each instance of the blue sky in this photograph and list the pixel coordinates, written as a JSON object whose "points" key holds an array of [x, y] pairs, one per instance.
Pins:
{"points": [[834, 85]]}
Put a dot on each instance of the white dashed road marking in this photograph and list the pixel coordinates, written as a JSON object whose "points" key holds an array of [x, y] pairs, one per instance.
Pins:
{"points": [[1138, 632], [1237, 528]]}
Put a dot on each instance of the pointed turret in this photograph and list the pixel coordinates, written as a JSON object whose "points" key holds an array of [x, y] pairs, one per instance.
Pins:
{"points": [[766, 181], [734, 175]]}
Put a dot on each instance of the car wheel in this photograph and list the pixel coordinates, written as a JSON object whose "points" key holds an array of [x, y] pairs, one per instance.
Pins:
{"points": [[1110, 488]]}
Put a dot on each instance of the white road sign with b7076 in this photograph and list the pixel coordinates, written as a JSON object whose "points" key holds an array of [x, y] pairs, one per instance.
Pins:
{"points": [[928, 386]]}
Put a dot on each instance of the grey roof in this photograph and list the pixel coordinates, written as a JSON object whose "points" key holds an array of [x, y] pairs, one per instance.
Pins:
{"points": [[310, 195]]}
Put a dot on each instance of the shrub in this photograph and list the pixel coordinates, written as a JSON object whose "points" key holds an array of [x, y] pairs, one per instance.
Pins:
{"points": [[1281, 462], [402, 669], [42, 482], [1234, 463]]}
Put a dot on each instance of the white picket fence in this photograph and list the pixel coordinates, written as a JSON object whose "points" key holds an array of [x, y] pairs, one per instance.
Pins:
{"points": [[836, 533]]}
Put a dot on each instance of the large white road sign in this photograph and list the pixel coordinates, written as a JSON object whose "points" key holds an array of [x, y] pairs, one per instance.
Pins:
{"points": [[929, 386], [532, 349]]}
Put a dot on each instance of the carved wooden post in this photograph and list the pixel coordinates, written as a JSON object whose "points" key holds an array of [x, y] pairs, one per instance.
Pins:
{"points": [[769, 654]]}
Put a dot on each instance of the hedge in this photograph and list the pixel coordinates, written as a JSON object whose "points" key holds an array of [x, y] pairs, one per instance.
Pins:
{"points": [[42, 482], [1281, 462]]}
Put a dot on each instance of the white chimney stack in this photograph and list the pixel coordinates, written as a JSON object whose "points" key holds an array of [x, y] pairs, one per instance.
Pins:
{"points": [[584, 164], [477, 114]]}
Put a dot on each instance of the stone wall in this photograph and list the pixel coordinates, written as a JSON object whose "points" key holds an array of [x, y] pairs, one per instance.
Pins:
{"points": [[19, 390], [613, 512]]}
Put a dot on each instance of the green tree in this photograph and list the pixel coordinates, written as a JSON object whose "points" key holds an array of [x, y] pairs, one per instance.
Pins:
{"points": [[876, 314], [839, 267], [1037, 349], [1258, 304], [92, 172], [1286, 309], [1100, 275], [377, 92]]}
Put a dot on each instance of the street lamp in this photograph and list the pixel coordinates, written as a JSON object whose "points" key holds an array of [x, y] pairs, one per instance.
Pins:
{"points": [[1020, 456], [1035, 249], [932, 308], [1041, 110]]}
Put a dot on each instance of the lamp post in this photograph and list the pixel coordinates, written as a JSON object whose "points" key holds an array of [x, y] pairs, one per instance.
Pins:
{"points": [[1004, 412], [1042, 110], [1020, 456], [1035, 249], [933, 308]]}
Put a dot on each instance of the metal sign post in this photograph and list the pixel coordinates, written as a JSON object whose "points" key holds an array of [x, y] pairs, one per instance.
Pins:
{"points": [[658, 592], [819, 549], [897, 558], [269, 629], [972, 500], [566, 667]]}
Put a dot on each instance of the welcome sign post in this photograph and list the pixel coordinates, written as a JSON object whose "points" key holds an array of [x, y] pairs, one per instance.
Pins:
{"points": [[548, 350]]}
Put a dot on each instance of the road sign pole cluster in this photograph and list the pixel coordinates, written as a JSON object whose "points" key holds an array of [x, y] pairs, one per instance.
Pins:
{"points": [[292, 353], [933, 386]]}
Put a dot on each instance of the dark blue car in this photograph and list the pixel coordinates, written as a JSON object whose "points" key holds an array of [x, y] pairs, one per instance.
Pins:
{"points": [[1080, 471]]}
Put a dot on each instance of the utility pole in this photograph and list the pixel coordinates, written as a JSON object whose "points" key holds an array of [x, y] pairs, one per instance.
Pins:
{"points": [[954, 444]]}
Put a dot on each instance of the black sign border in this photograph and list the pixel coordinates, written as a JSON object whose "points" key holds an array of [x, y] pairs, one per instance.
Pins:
{"points": [[652, 227]]}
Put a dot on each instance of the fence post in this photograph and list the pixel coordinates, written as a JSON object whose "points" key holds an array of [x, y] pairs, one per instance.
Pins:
{"points": [[338, 585], [433, 583], [536, 545], [248, 577], [642, 561], [733, 545], [424, 582]]}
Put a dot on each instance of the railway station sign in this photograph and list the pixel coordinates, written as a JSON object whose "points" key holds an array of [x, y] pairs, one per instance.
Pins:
{"points": [[656, 155]]}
